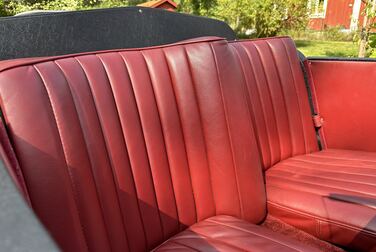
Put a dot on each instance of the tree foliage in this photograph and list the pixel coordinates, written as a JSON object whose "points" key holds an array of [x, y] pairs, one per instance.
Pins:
{"points": [[366, 37], [12, 7], [197, 7], [2, 9], [262, 17]]}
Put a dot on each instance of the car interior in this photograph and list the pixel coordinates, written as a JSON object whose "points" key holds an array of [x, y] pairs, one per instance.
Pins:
{"points": [[138, 129]]}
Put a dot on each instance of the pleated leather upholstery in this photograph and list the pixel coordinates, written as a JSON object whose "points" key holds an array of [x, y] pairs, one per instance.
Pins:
{"points": [[312, 190], [278, 98], [229, 234], [122, 150], [330, 194], [130, 149]]}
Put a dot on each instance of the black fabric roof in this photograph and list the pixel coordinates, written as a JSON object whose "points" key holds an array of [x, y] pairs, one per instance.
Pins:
{"points": [[58, 33]]}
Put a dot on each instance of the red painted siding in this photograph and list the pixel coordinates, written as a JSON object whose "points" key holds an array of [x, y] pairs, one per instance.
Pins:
{"points": [[338, 13]]}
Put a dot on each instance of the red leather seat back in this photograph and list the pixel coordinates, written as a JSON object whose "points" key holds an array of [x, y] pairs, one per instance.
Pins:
{"points": [[278, 98], [122, 150]]}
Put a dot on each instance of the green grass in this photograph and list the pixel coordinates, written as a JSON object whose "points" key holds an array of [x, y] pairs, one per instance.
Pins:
{"points": [[327, 48]]}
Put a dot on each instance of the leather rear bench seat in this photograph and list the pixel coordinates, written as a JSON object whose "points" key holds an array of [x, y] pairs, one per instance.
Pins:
{"points": [[131, 149], [122, 150], [331, 193]]}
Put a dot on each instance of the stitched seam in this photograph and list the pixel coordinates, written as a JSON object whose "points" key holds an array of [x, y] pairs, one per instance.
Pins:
{"points": [[220, 84], [309, 193], [73, 184], [46, 59], [323, 220], [271, 101], [297, 96], [34, 61], [125, 142], [182, 131], [269, 145], [329, 170], [322, 185], [290, 167], [86, 145], [206, 237], [104, 140], [298, 171], [283, 97], [318, 228], [331, 164], [248, 101], [176, 241], [145, 147], [163, 139], [202, 127], [115, 178], [250, 232], [324, 155]]}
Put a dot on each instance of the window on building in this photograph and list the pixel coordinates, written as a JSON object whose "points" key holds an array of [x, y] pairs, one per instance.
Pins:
{"points": [[317, 8]]}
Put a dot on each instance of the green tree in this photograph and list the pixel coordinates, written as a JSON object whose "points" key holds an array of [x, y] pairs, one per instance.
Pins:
{"points": [[2, 9], [135, 2], [238, 14], [367, 40], [12, 7], [262, 17], [197, 7]]}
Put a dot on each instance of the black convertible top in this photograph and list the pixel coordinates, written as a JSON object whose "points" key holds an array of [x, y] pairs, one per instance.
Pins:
{"points": [[41, 34]]}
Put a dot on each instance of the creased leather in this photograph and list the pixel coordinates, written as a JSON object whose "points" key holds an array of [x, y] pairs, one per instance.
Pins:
{"points": [[121, 150], [330, 194], [226, 233], [277, 97]]}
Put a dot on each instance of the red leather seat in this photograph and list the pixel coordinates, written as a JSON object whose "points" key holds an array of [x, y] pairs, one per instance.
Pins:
{"points": [[329, 194], [226, 233], [122, 150], [298, 192], [278, 98], [129, 149]]}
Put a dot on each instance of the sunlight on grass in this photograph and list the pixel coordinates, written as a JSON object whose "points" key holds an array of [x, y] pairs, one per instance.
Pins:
{"points": [[327, 48]]}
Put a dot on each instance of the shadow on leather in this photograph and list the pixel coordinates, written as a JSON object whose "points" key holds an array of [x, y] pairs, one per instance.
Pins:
{"points": [[364, 236], [352, 199], [144, 225]]}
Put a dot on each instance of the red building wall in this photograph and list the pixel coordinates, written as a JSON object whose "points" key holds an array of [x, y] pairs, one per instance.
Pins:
{"points": [[338, 13]]}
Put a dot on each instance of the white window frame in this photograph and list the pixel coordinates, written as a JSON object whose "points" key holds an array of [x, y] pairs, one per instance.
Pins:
{"points": [[315, 12]]}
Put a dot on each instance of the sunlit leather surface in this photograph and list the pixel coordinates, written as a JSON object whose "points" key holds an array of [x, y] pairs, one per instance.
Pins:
{"points": [[277, 98], [344, 93], [225, 233], [127, 150], [284, 128], [122, 150], [330, 194]]}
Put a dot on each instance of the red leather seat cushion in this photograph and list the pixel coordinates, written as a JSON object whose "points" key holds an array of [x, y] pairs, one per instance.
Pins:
{"points": [[122, 150], [331, 194], [226, 233]]}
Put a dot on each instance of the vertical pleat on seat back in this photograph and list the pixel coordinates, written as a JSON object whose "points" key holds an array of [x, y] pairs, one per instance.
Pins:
{"points": [[121, 150], [278, 98]]}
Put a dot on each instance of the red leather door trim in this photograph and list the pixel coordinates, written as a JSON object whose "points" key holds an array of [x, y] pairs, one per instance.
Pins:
{"points": [[345, 98]]}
